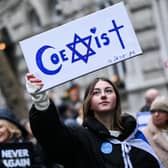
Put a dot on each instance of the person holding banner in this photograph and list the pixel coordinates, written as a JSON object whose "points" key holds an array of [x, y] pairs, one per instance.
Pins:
{"points": [[16, 151], [106, 139]]}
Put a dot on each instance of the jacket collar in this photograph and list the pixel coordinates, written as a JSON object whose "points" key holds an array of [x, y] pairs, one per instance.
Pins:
{"points": [[96, 127], [128, 123]]}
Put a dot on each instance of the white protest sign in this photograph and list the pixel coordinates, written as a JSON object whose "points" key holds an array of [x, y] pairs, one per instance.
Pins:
{"points": [[81, 46]]}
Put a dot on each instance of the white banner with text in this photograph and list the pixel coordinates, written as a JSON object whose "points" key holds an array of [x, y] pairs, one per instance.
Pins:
{"points": [[81, 46]]}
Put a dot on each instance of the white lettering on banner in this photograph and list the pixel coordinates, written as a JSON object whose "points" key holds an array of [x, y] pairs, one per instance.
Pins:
{"points": [[15, 158], [16, 162], [81, 46], [14, 153]]}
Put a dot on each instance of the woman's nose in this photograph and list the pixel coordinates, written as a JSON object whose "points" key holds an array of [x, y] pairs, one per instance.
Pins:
{"points": [[103, 94]]}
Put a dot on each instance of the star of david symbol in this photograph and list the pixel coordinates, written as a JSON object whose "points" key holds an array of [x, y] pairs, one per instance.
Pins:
{"points": [[76, 55]]}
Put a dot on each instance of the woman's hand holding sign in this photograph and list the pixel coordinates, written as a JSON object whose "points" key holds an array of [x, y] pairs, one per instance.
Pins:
{"points": [[33, 85]]}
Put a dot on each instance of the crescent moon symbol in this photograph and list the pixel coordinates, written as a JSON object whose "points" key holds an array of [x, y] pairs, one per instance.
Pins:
{"points": [[39, 62]]}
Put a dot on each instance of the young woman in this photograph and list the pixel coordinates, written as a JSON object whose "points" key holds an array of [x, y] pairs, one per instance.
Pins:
{"points": [[107, 138]]}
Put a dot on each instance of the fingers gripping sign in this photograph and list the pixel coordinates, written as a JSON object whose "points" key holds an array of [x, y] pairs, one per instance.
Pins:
{"points": [[33, 85]]}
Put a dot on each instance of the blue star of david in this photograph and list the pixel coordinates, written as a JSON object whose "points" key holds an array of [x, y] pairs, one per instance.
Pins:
{"points": [[76, 55]]}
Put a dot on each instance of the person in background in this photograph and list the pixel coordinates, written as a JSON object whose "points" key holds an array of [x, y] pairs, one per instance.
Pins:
{"points": [[10, 128], [74, 102], [13, 132], [80, 116], [150, 96], [144, 114], [157, 130], [30, 136], [106, 139], [70, 108]]}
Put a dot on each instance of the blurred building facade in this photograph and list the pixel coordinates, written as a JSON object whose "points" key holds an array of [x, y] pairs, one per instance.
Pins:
{"points": [[24, 18]]}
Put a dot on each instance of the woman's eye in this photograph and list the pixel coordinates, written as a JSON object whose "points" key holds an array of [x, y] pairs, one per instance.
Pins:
{"points": [[96, 93], [109, 91]]}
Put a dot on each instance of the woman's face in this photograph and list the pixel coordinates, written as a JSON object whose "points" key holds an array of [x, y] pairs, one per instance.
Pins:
{"points": [[159, 118], [4, 132], [103, 97]]}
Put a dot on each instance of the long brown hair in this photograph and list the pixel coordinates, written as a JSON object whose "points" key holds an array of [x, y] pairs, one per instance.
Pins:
{"points": [[87, 99]]}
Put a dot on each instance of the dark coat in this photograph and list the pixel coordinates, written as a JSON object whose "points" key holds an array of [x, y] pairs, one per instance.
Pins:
{"points": [[85, 147]]}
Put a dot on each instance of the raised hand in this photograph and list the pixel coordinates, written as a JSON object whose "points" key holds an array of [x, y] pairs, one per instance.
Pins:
{"points": [[33, 85]]}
